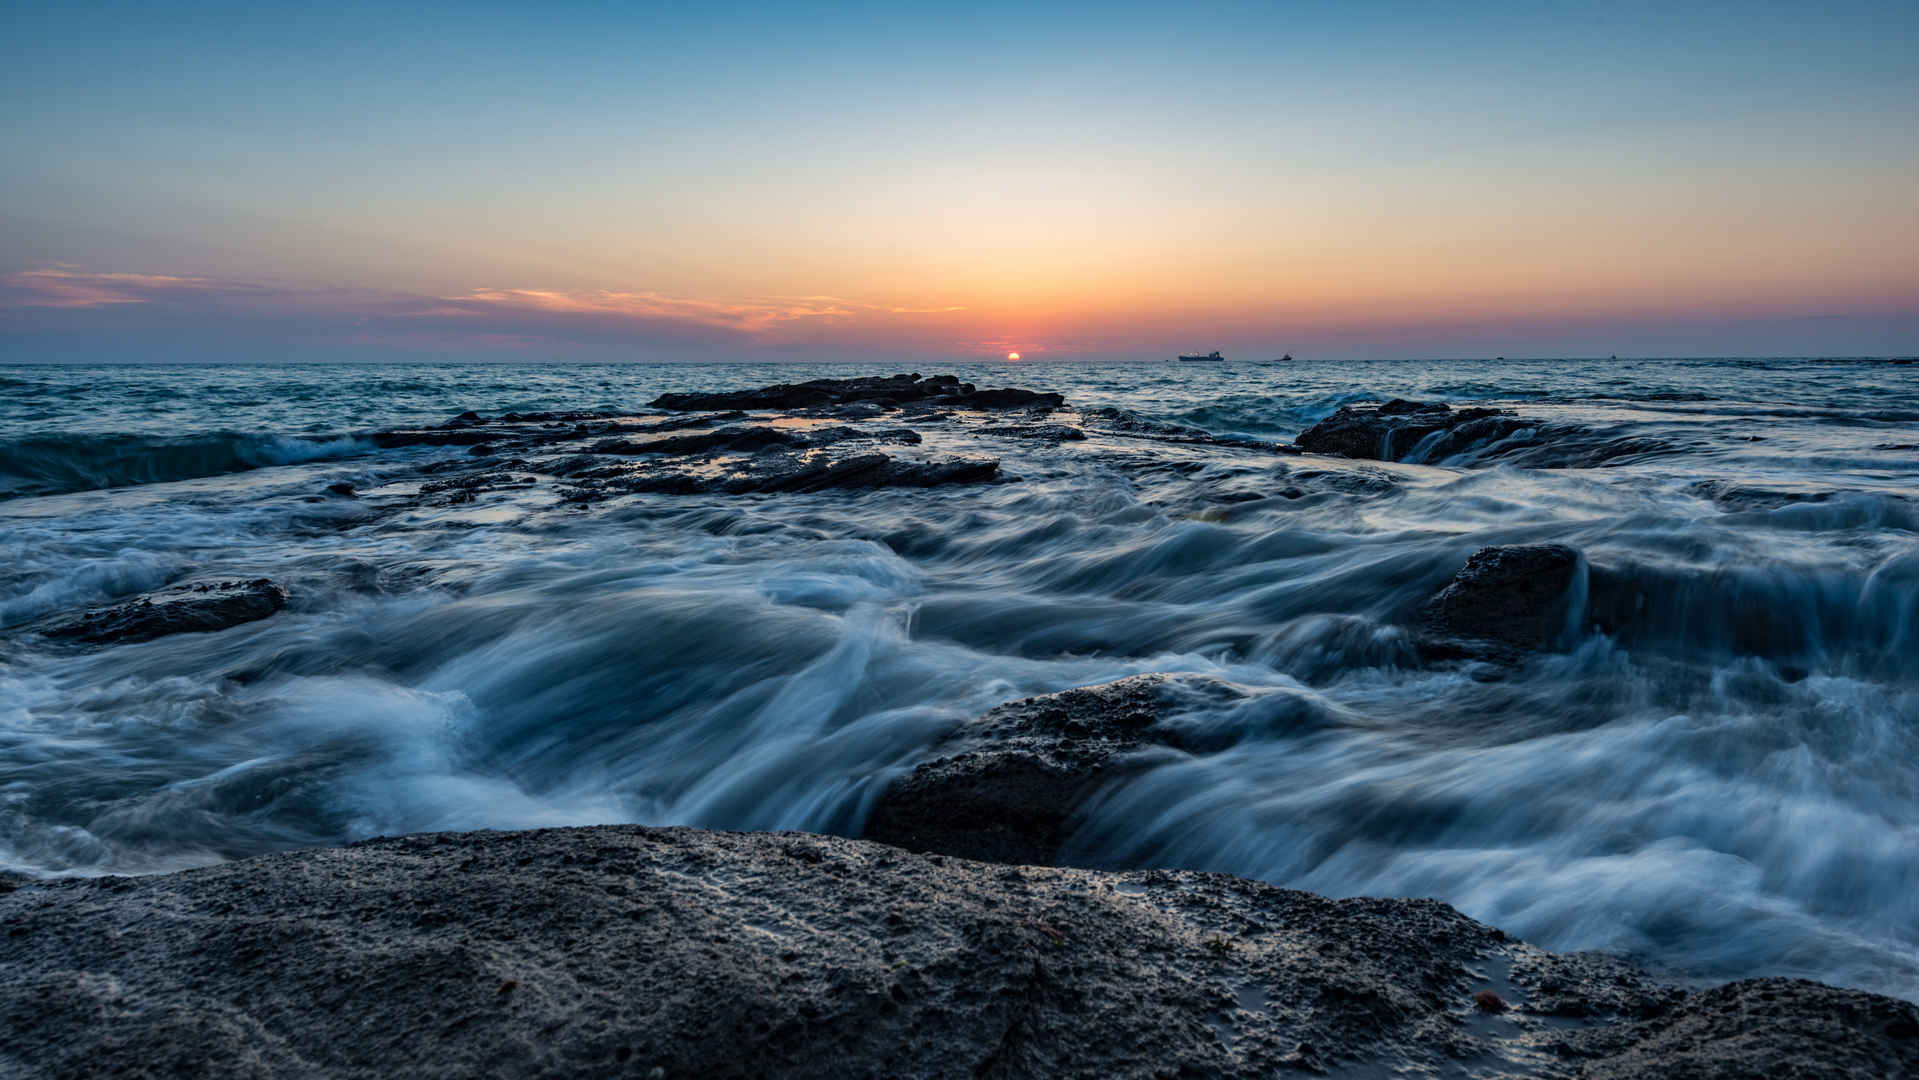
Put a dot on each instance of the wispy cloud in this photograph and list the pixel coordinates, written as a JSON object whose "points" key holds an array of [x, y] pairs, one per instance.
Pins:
{"points": [[748, 316], [79, 289], [66, 299]]}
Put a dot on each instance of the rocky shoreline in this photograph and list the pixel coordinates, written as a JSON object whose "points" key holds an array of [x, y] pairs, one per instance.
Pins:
{"points": [[629, 951], [948, 940]]}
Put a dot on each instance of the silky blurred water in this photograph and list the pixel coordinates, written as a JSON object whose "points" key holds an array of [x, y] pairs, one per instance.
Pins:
{"points": [[1733, 789]]}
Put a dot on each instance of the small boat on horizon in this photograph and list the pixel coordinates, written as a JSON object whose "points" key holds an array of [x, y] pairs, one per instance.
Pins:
{"points": [[1284, 359], [1191, 358]]}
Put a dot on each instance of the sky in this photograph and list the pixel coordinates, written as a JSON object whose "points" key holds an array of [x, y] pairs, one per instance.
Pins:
{"points": [[601, 181]]}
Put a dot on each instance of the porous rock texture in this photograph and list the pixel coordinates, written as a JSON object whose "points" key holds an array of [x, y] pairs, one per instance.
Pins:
{"points": [[627, 951]]}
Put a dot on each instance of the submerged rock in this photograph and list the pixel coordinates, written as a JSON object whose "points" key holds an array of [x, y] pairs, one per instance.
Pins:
{"points": [[893, 390], [1007, 786], [623, 950], [185, 609], [1521, 595]]}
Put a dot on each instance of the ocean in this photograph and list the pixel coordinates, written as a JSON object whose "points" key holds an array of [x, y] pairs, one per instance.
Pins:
{"points": [[1730, 789]]}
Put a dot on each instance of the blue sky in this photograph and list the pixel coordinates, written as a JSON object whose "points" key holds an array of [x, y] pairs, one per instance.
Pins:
{"points": [[845, 180]]}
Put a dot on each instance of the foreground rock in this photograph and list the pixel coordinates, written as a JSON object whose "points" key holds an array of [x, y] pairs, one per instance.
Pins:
{"points": [[938, 391], [184, 609], [626, 951], [1007, 784]]}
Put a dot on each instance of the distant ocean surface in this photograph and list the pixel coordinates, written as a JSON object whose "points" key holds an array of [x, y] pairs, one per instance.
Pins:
{"points": [[1735, 793]]}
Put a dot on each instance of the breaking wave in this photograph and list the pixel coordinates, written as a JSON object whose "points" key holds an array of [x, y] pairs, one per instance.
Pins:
{"points": [[57, 464]]}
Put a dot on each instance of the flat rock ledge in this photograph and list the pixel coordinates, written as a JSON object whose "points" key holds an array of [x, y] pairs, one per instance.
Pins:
{"points": [[628, 951]]}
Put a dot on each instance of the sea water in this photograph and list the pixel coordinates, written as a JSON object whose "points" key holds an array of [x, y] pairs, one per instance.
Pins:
{"points": [[1731, 790]]}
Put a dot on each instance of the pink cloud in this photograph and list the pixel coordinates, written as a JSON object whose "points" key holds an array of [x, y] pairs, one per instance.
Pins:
{"points": [[78, 289], [752, 316]]}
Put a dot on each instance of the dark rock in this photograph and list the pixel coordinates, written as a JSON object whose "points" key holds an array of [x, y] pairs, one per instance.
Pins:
{"points": [[1130, 425], [456, 490], [1052, 433], [343, 488], [1521, 595], [623, 950], [747, 439], [1764, 1028], [769, 473], [676, 423], [1009, 782], [1418, 431], [1005, 397], [184, 609], [1391, 431], [894, 390]]}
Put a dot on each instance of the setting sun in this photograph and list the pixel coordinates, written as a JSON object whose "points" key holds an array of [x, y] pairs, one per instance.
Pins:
{"points": [[1012, 356]]}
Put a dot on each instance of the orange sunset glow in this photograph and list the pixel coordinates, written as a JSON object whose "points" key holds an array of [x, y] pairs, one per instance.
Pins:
{"points": [[1332, 184]]}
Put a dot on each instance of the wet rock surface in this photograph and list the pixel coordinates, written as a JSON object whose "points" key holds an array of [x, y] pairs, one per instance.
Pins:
{"points": [[1429, 432], [857, 434], [589, 457], [1521, 595], [191, 608], [629, 951], [1007, 783]]}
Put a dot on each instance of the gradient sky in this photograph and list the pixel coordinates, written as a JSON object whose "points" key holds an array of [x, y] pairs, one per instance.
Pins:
{"points": [[606, 181]]}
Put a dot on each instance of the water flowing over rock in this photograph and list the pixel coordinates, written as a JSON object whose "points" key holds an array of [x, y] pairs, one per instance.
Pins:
{"points": [[628, 951], [1007, 787], [1431, 433], [185, 609]]}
